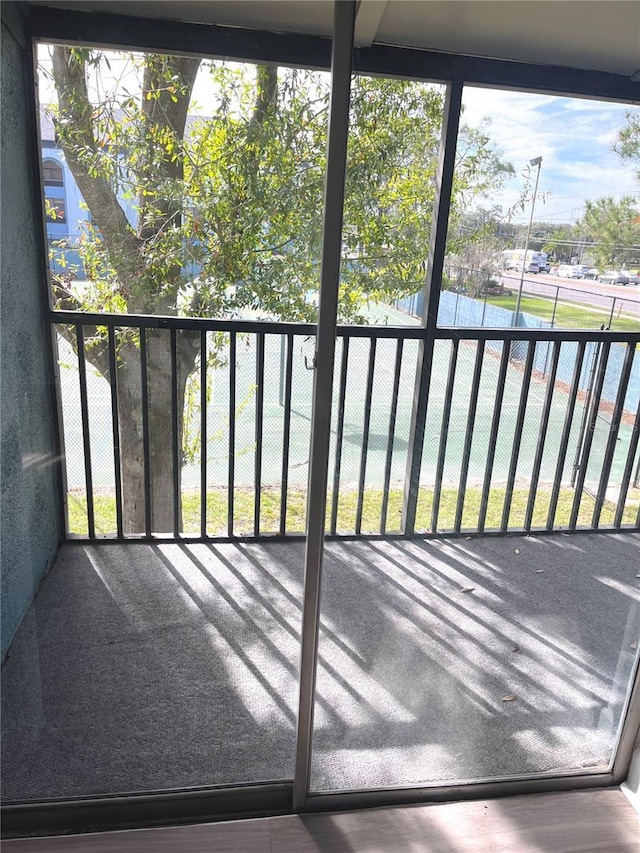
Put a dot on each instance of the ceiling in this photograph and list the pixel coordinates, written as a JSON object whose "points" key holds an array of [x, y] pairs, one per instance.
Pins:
{"points": [[602, 36]]}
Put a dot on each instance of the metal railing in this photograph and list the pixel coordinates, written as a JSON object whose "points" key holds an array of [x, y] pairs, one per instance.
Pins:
{"points": [[526, 429]]}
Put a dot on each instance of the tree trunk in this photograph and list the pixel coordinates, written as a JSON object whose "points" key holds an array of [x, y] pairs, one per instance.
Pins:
{"points": [[148, 284], [160, 406]]}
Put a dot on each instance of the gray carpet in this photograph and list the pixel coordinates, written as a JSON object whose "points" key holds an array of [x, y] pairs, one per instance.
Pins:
{"points": [[155, 667]]}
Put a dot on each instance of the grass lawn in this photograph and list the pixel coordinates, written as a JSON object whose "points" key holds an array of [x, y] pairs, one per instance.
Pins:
{"points": [[105, 519], [569, 315]]}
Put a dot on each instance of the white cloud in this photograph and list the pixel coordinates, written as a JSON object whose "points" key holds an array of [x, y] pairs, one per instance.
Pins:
{"points": [[573, 136]]}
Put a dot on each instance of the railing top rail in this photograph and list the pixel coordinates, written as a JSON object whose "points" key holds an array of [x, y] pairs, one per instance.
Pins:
{"points": [[268, 327], [260, 327], [158, 321], [519, 333]]}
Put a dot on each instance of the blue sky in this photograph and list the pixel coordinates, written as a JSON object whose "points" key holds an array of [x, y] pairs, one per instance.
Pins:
{"points": [[574, 136]]}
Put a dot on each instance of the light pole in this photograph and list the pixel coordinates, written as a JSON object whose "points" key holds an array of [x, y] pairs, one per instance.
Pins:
{"points": [[537, 161]]}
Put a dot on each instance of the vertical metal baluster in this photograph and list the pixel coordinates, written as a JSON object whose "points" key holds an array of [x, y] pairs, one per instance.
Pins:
{"points": [[146, 451], [174, 432], [618, 409], [365, 435], [282, 372], [203, 434], [628, 468], [442, 449], [115, 428], [86, 441], [466, 453], [588, 439], [566, 434], [392, 429], [232, 431], [493, 435], [517, 438], [259, 425], [542, 435], [286, 436], [340, 430]]}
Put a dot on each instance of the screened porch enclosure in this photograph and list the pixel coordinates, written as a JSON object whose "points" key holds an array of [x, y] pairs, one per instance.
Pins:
{"points": [[351, 509]]}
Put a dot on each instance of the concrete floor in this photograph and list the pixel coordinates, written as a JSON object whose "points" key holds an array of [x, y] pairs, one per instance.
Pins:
{"points": [[146, 667]]}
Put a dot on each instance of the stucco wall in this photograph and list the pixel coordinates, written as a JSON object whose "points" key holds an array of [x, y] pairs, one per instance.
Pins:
{"points": [[30, 528]]}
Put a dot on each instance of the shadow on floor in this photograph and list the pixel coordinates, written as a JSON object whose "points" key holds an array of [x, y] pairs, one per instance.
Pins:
{"points": [[147, 667]]}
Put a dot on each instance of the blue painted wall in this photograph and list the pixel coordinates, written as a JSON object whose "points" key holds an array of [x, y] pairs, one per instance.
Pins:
{"points": [[77, 216], [30, 531]]}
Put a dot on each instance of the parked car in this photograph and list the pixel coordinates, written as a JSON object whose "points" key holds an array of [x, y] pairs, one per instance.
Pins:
{"points": [[569, 271], [613, 277], [592, 273], [633, 277]]}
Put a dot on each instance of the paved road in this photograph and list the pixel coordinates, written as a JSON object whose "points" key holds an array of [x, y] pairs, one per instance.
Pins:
{"points": [[585, 291]]}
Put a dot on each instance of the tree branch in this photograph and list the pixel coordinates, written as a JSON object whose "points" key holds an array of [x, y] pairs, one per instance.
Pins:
{"points": [[75, 131], [267, 92], [166, 94]]}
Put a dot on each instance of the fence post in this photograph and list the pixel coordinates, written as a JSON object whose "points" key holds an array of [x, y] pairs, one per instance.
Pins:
{"points": [[484, 307], [613, 308], [546, 359], [555, 306], [585, 416]]}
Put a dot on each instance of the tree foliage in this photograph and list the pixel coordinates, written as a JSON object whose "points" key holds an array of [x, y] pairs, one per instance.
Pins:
{"points": [[221, 214], [236, 200], [628, 142], [615, 227]]}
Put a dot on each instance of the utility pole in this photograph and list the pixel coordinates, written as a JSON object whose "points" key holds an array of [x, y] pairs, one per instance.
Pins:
{"points": [[537, 161]]}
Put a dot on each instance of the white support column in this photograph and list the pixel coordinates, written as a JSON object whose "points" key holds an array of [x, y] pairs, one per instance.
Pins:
{"points": [[368, 19], [341, 62]]}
